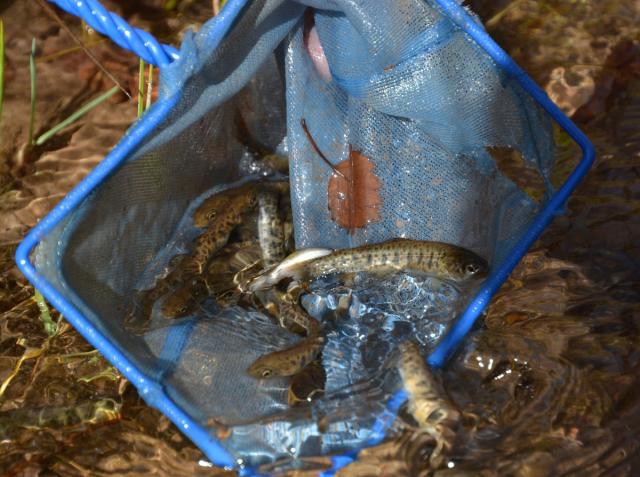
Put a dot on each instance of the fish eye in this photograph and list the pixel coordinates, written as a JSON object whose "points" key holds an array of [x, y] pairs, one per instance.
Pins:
{"points": [[266, 373], [211, 215], [471, 268]]}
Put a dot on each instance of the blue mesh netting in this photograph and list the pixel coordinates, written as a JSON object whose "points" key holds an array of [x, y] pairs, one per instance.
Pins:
{"points": [[397, 81]]}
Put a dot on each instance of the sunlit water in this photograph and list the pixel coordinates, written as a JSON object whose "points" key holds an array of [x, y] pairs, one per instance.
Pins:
{"points": [[363, 319]]}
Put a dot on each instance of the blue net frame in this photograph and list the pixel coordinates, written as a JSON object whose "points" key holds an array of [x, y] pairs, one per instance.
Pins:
{"points": [[149, 49]]}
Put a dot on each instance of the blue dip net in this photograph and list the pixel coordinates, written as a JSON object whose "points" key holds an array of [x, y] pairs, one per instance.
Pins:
{"points": [[395, 81]]}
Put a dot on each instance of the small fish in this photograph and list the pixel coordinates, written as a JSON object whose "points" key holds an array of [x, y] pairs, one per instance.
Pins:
{"points": [[145, 299], [222, 213], [185, 299], [437, 258], [56, 417], [287, 226], [292, 314], [433, 413], [270, 228], [216, 205], [286, 308], [287, 362], [217, 234], [218, 279]]}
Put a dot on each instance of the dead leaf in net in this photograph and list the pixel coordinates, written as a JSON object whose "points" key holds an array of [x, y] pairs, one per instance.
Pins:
{"points": [[354, 193]]}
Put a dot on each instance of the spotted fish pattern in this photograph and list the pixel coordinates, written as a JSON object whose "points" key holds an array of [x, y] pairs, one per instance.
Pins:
{"points": [[288, 361], [438, 258], [428, 405], [270, 228], [218, 279]]}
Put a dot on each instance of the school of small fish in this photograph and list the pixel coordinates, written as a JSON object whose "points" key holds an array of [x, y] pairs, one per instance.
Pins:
{"points": [[244, 257]]}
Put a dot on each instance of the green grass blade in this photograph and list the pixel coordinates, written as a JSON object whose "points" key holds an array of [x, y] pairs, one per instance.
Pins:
{"points": [[32, 75], [78, 114], [50, 326], [1, 67], [149, 87], [141, 88]]}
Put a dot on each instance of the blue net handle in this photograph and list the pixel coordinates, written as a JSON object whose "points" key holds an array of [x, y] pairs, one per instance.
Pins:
{"points": [[103, 21]]}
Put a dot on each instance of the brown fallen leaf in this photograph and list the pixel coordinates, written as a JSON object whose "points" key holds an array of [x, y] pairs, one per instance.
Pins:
{"points": [[354, 192], [354, 189]]}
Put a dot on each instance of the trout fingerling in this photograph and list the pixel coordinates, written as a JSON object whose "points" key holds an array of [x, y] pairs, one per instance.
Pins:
{"points": [[185, 299], [436, 258], [270, 228], [427, 403], [293, 314], [287, 362]]}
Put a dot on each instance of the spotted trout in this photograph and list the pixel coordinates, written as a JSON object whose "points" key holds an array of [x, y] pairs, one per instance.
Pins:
{"points": [[216, 206], [433, 413], [57, 417], [291, 316], [288, 361], [270, 228], [218, 278], [144, 300], [435, 258], [223, 212], [220, 215], [219, 229], [285, 269]]}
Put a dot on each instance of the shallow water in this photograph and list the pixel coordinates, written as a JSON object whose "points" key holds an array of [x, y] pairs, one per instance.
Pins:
{"points": [[363, 322], [548, 382]]}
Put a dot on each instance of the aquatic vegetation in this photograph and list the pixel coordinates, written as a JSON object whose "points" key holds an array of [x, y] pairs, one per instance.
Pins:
{"points": [[149, 86], [145, 87], [50, 326], [141, 84], [32, 82], [30, 353], [76, 115]]}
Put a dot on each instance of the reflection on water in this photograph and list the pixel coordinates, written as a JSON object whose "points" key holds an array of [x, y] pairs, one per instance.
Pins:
{"points": [[547, 386]]}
